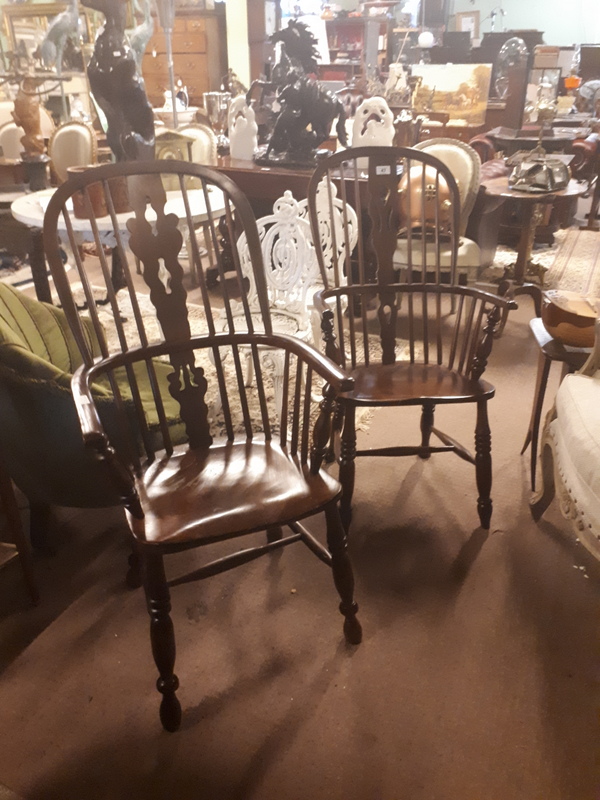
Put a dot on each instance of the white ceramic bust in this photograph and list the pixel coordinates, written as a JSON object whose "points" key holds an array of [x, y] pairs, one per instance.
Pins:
{"points": [[373, 124], [243, 130]]}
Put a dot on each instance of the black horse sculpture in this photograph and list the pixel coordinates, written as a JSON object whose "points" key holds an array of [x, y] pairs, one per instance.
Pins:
{"points": [[307, 110]]}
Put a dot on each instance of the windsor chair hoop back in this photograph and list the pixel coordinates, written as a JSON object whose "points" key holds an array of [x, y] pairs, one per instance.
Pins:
{"points": [[255, 467], [404, 343], [154, 228], [400, 196]]}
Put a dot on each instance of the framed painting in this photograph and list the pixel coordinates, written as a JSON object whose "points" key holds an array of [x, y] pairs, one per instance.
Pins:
{"points": [[468, 21], [459, 89]]}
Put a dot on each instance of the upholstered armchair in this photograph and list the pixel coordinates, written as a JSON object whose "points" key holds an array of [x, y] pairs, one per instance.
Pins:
{"points": [[570, 453], [73, 144], [464, 164], [40, 438]]}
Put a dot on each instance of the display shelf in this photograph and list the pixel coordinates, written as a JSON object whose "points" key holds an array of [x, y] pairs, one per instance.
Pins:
{"points": [[365, 40]]}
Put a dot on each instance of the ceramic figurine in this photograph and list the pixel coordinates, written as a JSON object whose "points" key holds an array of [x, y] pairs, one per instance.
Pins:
{"points": [[243, 130], [373, 124], [26, 114]]}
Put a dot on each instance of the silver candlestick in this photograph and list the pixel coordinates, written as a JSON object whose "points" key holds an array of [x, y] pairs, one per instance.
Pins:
{"points": [[216, 105]]}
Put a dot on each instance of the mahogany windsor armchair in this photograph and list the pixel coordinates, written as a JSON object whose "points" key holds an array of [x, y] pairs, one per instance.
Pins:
{"points": [[404, 343], [255, 466]]}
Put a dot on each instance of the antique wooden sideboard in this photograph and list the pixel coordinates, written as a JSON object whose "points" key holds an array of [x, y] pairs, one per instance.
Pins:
{"points": [[199, 55]]}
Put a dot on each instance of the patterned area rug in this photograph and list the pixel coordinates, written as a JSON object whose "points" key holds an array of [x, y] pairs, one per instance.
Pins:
{"points": [[572, 263], [544, 255], [576, 267], [198, 327]]}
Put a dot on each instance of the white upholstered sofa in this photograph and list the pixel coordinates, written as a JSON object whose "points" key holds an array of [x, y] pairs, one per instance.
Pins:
{"points": [[570, 452]]}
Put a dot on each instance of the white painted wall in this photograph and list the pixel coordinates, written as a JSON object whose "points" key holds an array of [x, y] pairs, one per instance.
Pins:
{"points": [[238, 53], [564, 22]]}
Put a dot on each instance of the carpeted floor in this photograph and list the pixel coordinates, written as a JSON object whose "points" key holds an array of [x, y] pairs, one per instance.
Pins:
{"points": [[477, 678]]}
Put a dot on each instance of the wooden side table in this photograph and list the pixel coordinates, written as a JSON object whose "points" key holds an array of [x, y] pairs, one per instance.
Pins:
{"points": [[516, 283], [571, 358]]}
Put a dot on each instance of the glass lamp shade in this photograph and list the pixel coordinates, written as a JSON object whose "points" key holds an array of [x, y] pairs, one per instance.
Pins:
{"points": [[512, 53], [426, 40]]}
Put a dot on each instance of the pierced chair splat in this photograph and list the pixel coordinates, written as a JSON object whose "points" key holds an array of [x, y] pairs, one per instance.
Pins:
{"points": [[423, 344], [254, 466]]}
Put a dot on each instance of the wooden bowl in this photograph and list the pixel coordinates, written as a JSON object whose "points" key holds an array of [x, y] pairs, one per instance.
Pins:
{"points": [[570, 317]]}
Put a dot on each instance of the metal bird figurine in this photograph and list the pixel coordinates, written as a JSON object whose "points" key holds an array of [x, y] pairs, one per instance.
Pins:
{"points": [[62, 27], [142, 33]]}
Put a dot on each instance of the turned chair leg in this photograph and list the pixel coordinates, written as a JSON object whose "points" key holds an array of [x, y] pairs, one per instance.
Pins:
{"points": [[162, 637], [274, 534], [343, 576], [348, 464], [134, 578], [336, 427], [427, 415], [483, 464]]}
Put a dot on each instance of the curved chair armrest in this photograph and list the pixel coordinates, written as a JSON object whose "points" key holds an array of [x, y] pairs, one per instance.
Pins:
{"points": [[336, 381], [89, 419], [84, 377], [94, 437]]}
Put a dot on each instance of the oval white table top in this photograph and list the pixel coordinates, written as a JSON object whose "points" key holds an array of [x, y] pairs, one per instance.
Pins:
{"points": [[30, 209]]}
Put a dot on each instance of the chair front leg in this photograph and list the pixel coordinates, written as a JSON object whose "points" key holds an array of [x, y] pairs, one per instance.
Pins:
{"points": [[483, 464], [134, 578], [162, 636], [347, 463], [343, 575], [336, 427], [427, 415]]}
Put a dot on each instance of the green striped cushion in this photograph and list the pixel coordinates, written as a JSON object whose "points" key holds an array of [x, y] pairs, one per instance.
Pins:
{"points": [[41, 328]]}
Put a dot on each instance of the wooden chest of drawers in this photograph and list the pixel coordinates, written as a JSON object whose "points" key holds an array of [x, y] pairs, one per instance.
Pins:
{"points": [[199, 55]]}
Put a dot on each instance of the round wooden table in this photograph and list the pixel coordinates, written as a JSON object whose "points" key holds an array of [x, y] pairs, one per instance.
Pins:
{"points": [[533, 203], [514, 280]]}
